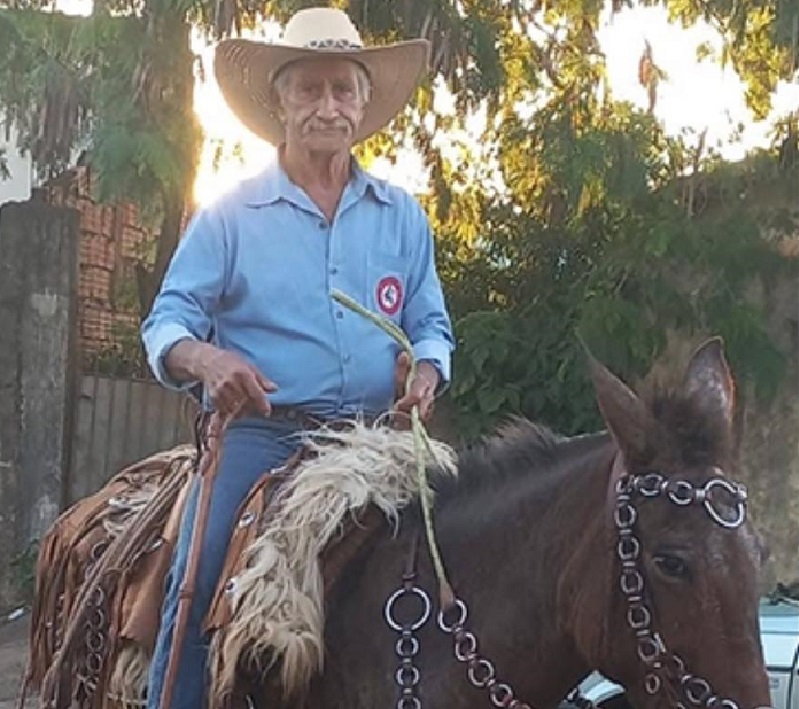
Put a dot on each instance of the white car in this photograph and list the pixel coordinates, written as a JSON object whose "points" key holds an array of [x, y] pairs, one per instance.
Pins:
{"points": [[779, 635]]}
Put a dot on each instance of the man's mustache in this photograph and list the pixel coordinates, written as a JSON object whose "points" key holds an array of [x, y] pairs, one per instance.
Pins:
{"points": [[322, 125]]}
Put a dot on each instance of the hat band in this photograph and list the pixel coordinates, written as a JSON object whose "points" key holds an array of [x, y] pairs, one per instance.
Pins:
{"points": [[333, 44]]}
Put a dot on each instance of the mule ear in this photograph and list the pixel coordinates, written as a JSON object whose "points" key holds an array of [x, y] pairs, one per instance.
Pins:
{"points": [[708, 381], [624, 413]]}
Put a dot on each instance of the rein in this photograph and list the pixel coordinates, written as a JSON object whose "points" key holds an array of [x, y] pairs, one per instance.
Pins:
{"points": [[723, 501]]}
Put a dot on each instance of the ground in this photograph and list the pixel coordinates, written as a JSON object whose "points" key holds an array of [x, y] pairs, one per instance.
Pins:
{"points": [[13, 653]]}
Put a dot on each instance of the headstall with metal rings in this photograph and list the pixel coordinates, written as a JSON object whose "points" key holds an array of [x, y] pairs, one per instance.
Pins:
{"points": [[724, 502]]}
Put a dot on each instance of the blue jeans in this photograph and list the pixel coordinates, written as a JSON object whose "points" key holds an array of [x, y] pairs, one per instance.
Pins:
{"points": [[250, 448]]}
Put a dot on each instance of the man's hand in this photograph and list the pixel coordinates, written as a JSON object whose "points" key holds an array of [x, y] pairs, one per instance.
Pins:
{"points": [[234, 386], [421, 392]]}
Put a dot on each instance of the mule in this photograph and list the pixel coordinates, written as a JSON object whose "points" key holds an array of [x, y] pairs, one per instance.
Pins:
{"points": [[627, 551]]}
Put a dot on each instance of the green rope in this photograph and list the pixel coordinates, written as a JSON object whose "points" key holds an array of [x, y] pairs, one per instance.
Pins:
{"points": [[421, 442]]}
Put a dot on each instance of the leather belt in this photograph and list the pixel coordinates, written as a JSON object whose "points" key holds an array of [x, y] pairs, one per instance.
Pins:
{"points": [[309, 421]]}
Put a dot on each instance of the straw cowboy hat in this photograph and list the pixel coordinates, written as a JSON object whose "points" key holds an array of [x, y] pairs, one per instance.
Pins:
{"points": [[245, 69]]}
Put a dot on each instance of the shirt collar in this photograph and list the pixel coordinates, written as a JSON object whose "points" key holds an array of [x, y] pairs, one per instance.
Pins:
{"points": [[272, 185]]}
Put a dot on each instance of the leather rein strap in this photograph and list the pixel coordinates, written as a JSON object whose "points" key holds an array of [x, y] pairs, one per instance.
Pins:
{"points": [[207, 469]]}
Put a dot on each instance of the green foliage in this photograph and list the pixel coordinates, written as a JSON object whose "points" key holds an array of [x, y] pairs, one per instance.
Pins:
{"points": [[122, 357], [598, 246], [43, 90]]}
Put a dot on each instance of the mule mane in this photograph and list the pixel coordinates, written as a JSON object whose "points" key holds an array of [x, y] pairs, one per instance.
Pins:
{"points": [[514, 451]]}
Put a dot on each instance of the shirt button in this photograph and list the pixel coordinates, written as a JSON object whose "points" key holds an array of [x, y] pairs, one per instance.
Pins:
{"points": [[333, 270], [323, 225], [347, 359], [339, 315]]}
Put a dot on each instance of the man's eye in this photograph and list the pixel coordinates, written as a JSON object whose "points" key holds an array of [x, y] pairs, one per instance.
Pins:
{"points": [[308, 90], [344, 90]]}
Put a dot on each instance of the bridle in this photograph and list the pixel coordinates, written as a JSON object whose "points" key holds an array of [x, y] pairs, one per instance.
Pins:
{"points": [[722, 500]]}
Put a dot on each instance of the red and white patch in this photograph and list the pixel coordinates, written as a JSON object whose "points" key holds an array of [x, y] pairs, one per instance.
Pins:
{"points": [[389, 294]]}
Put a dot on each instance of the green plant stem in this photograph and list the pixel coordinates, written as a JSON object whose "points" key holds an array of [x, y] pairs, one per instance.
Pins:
{"points": [[421, 443]]}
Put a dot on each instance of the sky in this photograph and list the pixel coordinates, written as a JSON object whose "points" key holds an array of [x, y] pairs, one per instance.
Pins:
{"points": [[695, 96]]}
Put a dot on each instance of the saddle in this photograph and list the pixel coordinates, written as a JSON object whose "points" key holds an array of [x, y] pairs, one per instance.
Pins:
{"points": [[101, 571]]}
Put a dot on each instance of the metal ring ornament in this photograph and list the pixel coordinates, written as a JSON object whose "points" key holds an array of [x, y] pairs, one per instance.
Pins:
{"points": [[409, 702], [648, 649], [481, 664], [94, 663], [464, 612], [246, 519], [681, 493], [652, 684], [737, 491], [402, 648], [631, 582], [727, 704], [400, 593], [501, 695], [408, 676], [465, 654], [628, 548], [95, 642], [625, 515], [696, 690], [678, 663], [639, 616], [650, 485], [95, 618]]}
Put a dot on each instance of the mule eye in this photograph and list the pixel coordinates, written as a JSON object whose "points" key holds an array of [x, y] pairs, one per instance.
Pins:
{"points": [[672, 566]]}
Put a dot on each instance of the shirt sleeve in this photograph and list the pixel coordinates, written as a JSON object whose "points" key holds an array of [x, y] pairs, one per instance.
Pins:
{"points": [[425, 318], [190, 293]]}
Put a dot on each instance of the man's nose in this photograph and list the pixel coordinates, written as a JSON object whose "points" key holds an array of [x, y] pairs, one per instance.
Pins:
{"points": [[328, 106]]}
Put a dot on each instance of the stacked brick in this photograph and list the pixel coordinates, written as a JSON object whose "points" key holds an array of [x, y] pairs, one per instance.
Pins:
{"points": [[112, 239]]}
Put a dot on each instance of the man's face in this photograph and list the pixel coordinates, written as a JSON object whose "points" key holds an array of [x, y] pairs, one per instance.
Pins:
{"points": [[322, 104]]}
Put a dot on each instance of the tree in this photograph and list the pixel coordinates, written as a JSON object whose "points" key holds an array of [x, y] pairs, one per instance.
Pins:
{"points": [[540, 222]]}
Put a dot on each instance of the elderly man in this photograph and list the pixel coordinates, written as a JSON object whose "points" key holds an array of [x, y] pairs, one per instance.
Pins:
{"points": [[245, 309]]}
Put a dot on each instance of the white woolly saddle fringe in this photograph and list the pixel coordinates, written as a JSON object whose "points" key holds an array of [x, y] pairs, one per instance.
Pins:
{"points": [[278, 602]]}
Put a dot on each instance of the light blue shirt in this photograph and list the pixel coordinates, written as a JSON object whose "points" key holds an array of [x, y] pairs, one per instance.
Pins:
{"points": [[254, 272]]}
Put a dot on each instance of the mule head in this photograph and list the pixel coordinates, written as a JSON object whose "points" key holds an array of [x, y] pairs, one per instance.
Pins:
{"points": [[684, 605]]}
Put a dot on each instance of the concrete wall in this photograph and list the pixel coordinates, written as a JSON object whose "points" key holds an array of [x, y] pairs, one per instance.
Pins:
{"points": [[38, 274], [769, 442]]}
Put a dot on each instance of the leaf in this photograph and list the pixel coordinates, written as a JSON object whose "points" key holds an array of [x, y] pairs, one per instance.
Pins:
{"points": [[490, 399]]}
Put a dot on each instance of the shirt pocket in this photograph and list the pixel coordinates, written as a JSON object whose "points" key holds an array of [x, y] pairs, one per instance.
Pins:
{"points": [[386, 284]]}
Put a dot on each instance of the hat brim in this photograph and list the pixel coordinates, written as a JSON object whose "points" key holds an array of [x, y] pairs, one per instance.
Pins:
{"points": [[244, 69]]}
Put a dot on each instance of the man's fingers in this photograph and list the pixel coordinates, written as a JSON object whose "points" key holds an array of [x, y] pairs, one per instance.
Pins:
{"points": [[266, 384], [224, 402], [401, 369], [256, 394], [426, 408]]}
